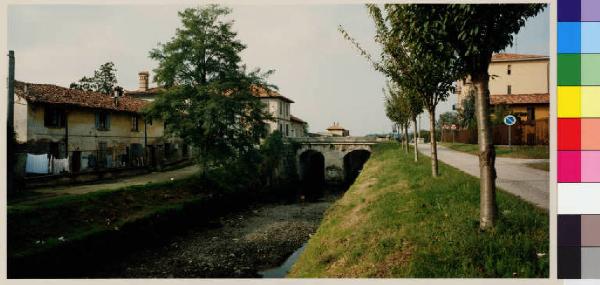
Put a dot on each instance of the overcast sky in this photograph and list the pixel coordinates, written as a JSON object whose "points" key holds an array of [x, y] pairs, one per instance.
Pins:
{"points": [[314, 65]]}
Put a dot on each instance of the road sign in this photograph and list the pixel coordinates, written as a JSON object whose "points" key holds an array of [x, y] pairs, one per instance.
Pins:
{"points": [[510, 120]]}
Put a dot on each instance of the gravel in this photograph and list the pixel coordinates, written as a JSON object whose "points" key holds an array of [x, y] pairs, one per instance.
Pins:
{"points": [[237, 245]]}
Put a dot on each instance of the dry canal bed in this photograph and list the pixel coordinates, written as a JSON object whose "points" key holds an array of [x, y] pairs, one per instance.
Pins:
{"points": [[240, 244]]}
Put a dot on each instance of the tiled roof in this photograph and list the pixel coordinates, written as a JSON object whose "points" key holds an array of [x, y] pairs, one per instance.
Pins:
{"points": [[268, 93], [520, 99], [516, 56], [258, 92], [296, 119], [53, 94], [150, 91]]}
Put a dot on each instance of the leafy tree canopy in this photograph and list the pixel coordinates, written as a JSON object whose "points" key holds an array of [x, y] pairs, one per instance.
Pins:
{"points": [[471, 32], [448, 118], [103, 80], [209, 100], [466, 114], [397, 105]]}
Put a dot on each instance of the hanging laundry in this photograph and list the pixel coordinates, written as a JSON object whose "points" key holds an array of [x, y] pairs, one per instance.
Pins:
{"points": [[60, 165], [84, 163], [109, 161], [37, 163]]}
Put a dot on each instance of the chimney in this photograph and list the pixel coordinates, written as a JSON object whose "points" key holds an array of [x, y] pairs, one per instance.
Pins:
{"points": [[143, 76]]}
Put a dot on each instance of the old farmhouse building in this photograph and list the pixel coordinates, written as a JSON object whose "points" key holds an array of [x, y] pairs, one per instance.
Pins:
{"points": [[520, 82], [519, 85], [277, 105], [61, 130], [84, 130]]}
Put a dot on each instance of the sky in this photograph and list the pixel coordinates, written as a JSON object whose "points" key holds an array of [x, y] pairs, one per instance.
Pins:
{"points": [[314, 65]]}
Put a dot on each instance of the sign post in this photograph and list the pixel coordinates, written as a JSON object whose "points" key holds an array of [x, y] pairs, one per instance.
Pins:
{"points": [[509, 121]]}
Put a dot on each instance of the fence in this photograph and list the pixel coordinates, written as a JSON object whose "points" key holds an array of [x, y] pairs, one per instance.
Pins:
{"points": [[522, 133]]}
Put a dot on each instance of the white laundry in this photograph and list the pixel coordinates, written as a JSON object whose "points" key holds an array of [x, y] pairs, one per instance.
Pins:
{"points": [[84, 163], [60, 165], [37, 163], [109, 161]]}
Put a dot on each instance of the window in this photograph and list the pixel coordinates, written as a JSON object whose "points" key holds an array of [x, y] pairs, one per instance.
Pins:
{"points": [[287, 130], [531, 113], [280, 128], [54, 117], [280, 108], [509, 90], [103, 121], [508, 70], [134, 123]]}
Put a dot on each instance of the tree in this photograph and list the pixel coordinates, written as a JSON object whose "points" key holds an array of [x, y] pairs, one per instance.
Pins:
{"points": [[103, 80], [466, 114], [448, 118], [446, 121], [397, 109], [473, 33], [209, 99], [428, 74]]}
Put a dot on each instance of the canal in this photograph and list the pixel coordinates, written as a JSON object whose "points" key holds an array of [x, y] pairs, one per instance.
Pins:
{"points": [[264, 240]]}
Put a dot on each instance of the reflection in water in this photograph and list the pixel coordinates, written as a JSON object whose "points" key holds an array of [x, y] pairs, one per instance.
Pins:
{"points": [[282, 270]]}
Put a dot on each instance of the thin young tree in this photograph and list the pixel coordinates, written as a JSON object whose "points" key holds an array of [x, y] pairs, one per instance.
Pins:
{"points": [[397, 110], [430, 75], [473, 33]]}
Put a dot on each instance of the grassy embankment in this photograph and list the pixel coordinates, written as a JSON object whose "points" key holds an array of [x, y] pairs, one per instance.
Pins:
{"points": [[396, 221], [41, 225], [75, 230]]}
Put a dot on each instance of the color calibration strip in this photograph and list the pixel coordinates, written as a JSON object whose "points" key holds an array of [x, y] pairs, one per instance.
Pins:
{"points": [[578, 139]]}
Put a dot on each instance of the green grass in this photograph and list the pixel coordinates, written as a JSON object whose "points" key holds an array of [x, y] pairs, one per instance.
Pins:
{"points": [[515, 151], [37, 225], [545, 166], [396, 221]]}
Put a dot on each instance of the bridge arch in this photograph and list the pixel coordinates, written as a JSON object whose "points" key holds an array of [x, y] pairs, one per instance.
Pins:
{"points": [[335, 151], [312, 173], [353, 163]]}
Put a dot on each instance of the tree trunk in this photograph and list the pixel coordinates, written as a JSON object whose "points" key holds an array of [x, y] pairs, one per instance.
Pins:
{"points": [[433, 143], [415, 138], [487, 154], [406, 138]]}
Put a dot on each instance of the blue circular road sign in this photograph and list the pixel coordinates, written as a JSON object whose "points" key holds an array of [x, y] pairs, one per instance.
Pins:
{"points": [[510, 120]]}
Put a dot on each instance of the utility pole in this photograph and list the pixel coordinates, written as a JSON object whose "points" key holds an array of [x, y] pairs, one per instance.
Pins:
{"points": [[10, 165]]}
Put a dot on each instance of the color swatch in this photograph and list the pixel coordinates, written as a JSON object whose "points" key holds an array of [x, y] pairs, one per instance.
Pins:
{"points": [[578, 126]]}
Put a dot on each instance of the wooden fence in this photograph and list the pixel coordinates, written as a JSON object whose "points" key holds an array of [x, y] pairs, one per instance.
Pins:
{"points": [[522, 133]]}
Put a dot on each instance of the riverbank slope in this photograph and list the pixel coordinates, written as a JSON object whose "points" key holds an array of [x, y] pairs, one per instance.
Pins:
{"points": [[397, 221]]}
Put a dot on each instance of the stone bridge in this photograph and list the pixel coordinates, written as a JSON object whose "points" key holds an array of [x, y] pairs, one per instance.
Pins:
{"points": [[334, 160]]}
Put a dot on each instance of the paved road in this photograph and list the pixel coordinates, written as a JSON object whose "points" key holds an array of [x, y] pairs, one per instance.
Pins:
{"points": [[513, 175], [112, 184]]}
